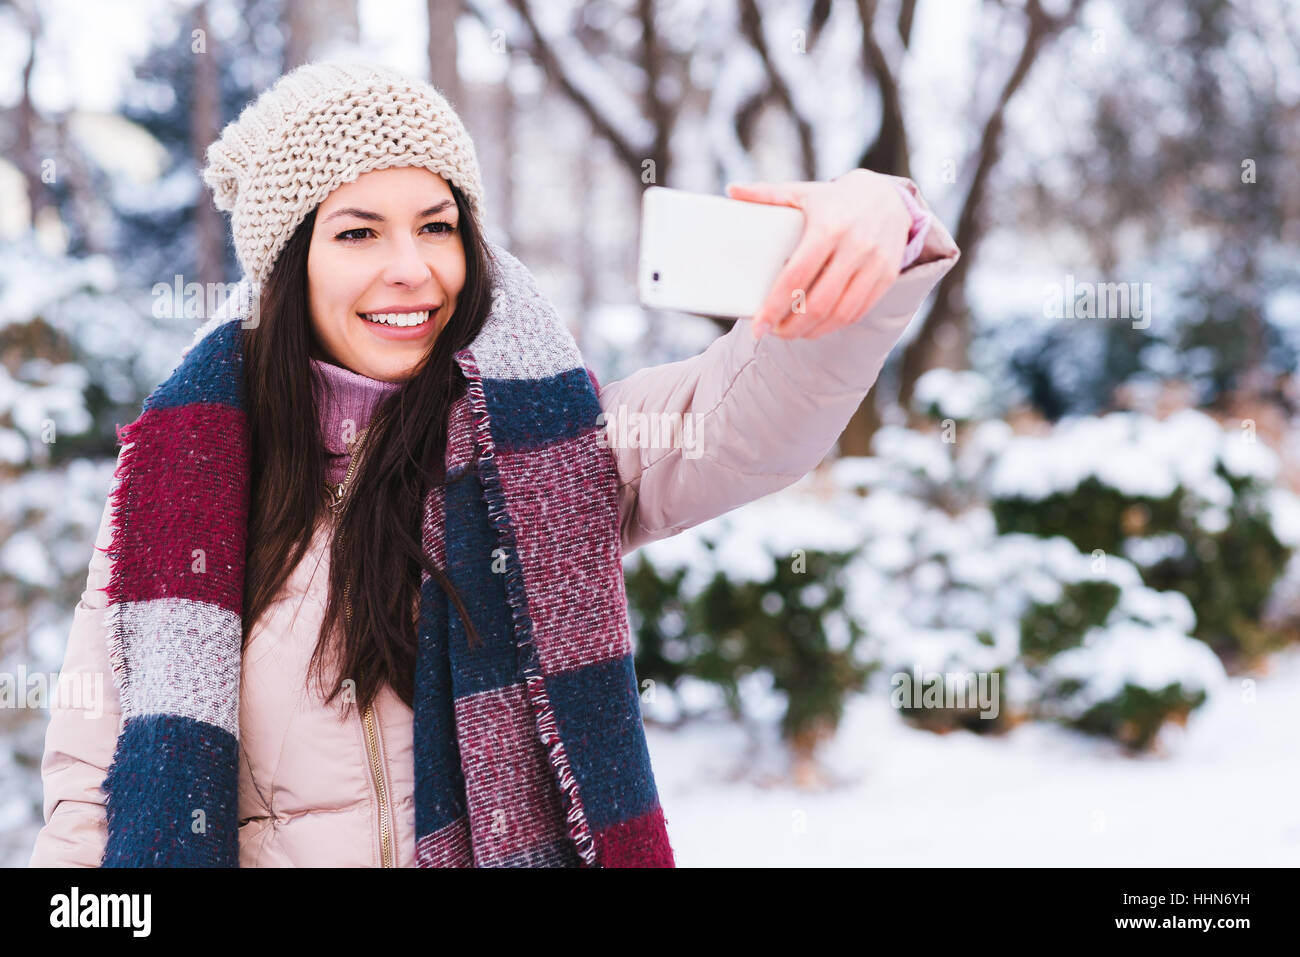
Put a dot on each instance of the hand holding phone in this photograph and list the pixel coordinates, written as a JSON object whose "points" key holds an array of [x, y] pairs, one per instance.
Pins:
{"points": [[711, 255], [802, 258]]}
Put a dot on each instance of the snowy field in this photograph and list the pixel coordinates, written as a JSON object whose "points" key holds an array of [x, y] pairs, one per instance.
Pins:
{"points": [[1220, 792]]}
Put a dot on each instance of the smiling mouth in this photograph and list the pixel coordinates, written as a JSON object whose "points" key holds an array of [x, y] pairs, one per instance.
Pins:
{"points": [[398, 319]]}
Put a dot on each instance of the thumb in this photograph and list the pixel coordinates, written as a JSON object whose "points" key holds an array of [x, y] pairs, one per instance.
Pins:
{"points": [[778, 194]]}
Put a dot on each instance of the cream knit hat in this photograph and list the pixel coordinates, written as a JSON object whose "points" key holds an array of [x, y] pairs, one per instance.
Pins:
{"points": [[320, 126]]}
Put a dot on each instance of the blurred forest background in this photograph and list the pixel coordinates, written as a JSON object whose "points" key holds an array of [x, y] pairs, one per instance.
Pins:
{"points": [[1099, 507]]}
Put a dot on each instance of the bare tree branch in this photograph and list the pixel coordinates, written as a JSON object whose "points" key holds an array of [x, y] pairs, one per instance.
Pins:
{"points": [[949, 304], [25, 138], [546, 57], [817, 17], [441, 50], [906, 17], [751, 25], [652, 60], [888, 154], [205, 127]]}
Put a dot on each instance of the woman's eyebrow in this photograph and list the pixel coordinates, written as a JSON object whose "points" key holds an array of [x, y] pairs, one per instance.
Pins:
{"points": [[376, 218]]}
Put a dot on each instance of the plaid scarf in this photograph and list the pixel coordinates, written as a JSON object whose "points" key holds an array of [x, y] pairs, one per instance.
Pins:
{"points": [[529, 750]]}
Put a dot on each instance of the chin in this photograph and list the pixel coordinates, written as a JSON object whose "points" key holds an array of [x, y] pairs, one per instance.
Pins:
{"points": [[389, 371]]}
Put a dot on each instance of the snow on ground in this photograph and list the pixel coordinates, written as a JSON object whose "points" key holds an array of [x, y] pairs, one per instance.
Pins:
{"points": [[1220, 792]]}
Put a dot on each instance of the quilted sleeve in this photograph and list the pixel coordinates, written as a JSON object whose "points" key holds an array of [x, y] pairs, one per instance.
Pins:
{"points": [[763, 412]]}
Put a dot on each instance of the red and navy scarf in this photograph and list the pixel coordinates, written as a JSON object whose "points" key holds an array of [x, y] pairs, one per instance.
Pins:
{"points": [[530, 750]]}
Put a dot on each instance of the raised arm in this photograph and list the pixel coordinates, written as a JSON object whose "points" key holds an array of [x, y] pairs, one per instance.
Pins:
{"points": [[768, 409]]}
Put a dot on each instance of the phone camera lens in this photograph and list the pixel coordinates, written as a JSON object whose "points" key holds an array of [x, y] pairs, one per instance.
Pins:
{"points": [[655, 275]]}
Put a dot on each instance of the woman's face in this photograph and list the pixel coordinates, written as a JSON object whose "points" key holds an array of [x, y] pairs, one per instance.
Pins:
{"points": [[387, 242]]}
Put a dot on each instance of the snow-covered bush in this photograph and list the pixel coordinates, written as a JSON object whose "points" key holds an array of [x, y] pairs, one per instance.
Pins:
{"points": [[79, 355], [758, 591], [824, 594], [1191, 504], [946, 468], [941, 594], [961, 395]]}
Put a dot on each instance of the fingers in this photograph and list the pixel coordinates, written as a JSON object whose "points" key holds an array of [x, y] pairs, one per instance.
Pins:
{"points": [[854, 302], [827, 290], [885, 278], [836, 274], [795, 279], [777, 194]]}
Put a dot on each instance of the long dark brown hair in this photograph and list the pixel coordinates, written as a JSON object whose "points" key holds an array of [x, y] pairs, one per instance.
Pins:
{"points": [[377, 551]]}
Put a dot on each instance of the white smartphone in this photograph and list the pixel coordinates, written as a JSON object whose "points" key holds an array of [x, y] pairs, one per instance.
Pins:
{"points": [[712, 255]]}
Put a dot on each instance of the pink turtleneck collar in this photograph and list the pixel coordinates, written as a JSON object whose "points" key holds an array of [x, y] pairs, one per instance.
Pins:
{"points": [[343, 395]]}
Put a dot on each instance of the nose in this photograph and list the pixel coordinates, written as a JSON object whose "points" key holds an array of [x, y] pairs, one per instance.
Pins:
{"points": [[405, 265]]}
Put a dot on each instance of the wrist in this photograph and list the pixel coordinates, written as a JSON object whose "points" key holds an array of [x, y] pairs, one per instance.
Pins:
{"points": [[919, 224], [914, 220]]}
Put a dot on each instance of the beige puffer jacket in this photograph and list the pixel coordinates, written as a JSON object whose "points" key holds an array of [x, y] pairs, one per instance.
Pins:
{"points": [[323, 786]]}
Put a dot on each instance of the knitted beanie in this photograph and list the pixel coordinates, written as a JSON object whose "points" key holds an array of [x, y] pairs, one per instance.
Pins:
{"points": [[320, 126]]}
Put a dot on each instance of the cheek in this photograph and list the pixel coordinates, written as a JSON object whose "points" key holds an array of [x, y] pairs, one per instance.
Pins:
{"points": [[332, 287], [318, 273], [456, 276]]}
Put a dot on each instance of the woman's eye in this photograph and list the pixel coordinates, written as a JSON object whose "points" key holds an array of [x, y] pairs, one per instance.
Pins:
{"points": [[350, 235]]}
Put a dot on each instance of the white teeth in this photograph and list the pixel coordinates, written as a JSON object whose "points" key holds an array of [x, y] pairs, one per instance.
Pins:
{"points": [[397, 318]]}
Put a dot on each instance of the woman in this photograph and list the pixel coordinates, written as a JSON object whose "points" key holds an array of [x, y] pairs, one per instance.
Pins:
{"points": [[425, 661]]}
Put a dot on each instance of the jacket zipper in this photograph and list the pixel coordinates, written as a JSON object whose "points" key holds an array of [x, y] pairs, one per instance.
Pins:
{"points": [[376, 766], [374, 749]]}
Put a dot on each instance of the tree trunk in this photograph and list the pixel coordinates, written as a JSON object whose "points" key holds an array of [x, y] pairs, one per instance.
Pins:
{"points": [[25, 149], [311, 25], [945, 331], [205, 122], [442, 16], [857, 435]]}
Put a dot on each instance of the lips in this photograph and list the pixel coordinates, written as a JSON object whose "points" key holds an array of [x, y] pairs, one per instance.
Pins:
{"points": [[407, 307]]}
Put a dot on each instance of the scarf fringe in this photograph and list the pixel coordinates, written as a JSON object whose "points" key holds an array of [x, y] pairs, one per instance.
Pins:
{"points": [[574, 812], [120, 505]]}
